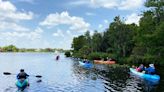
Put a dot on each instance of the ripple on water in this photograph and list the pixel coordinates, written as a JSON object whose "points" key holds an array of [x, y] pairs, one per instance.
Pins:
{"points": [[66, 76]]}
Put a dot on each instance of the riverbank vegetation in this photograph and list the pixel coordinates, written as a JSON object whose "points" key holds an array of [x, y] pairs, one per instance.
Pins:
{"points": [[12, 48], [127, 43]]}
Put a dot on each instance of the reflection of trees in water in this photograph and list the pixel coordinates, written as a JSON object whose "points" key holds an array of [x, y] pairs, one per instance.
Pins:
{"points": [[82, 73], [114, 79], [142, 85], [160, 70]]}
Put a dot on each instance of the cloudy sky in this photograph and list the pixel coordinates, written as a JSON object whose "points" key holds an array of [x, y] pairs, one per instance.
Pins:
{"points": [[54, 23]]}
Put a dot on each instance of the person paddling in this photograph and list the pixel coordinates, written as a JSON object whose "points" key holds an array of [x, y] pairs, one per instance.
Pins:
{"points": [[150, 69], [57, 57], [140, 68], [22, 76]]}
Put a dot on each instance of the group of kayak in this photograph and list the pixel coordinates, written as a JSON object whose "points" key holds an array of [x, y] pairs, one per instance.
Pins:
{"points": [[147, 73], [142, 71]]}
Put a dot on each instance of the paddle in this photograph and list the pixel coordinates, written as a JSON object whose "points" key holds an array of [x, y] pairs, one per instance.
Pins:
{"points": [[7, 73]]}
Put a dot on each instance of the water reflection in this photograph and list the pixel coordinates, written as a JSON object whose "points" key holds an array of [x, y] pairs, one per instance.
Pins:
{"points": [[65, 75]]}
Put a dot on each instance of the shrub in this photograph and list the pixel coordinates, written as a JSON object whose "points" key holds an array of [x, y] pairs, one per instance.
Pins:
{"points": [[67, 54], [97, 56]]}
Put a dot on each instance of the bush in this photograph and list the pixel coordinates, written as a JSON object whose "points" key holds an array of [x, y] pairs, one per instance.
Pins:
{"points": [[94, 56], [77, 55], [97, 56], [67, 54]]}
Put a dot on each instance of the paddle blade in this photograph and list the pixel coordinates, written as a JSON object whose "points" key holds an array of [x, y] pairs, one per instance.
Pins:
{"points": [[38, 76], [6, 73]]}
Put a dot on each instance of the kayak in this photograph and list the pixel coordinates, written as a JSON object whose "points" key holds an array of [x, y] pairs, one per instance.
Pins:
{"points": [[104, 62], [22, 84], [150, 77], [85, 65]]}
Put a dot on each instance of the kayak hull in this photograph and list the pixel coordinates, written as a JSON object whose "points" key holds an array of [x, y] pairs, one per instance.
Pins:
{"points": [[22, 84], [85, 65], [154, 78], [104, 62]]}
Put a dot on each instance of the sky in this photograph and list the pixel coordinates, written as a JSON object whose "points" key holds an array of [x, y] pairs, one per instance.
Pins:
{"points": [[54, 23]]}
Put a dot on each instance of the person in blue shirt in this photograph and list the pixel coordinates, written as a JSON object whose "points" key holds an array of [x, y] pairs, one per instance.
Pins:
{"points": [[150, 69]]}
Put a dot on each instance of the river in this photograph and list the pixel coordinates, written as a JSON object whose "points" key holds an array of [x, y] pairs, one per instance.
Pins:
{"points": [[65, 75]]}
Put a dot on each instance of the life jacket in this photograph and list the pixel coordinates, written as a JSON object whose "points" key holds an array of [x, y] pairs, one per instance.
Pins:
{"points": [[22, 75]]}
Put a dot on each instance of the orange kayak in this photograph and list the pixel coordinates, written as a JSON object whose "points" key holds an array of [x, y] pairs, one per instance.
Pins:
{"points": [[104, 62]]}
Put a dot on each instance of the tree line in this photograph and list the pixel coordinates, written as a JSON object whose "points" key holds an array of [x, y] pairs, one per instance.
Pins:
{"points": [[12, 48], [127, 43]]}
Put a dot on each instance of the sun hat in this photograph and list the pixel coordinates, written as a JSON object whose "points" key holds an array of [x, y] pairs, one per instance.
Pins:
{"points": [[151, 65]]}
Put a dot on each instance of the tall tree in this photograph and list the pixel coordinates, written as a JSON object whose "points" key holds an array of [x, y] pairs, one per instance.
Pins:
{"points": [[96, 41], [147, 41], [79, 42]]}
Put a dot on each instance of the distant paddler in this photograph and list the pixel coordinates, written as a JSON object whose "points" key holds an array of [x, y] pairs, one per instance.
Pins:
{"points": [[57, 57]]}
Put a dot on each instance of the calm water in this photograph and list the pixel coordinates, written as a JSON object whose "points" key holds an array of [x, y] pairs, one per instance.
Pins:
{"points": [[65, 75]]}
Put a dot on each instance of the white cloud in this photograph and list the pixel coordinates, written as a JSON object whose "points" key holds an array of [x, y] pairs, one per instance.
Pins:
{"points": [[71, 34], [11, 26], [58, 33], [100, 26], [75, 23], [10, 17], [104, 3], [9, 11], [6, 6], [15, 35], [133, 18], [130, 4], [90, 14], [109, 4], [79, 2], [24, 39], [27, 1], [106, 21]]}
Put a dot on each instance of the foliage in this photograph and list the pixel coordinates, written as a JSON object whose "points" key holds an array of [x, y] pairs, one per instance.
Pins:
{"points": [[98, 56], [127, 43], [79, 42], [12, 48], [67, 54]]}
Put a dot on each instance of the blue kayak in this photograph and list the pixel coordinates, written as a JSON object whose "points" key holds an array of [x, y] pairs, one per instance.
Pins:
{"points": [[149, 77], [85, 65], [21, 84]]}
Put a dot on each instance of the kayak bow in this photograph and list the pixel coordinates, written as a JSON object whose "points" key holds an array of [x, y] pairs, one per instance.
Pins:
{"points": [[22, 84], [85, 65]]}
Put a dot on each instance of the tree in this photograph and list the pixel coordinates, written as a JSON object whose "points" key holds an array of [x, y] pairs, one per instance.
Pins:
{"points": [[121, 35], [88, 41], [148, 41], [10, 48], [78, 42], [157, 8], [67, 54], [96, 41]]}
